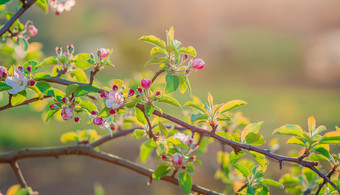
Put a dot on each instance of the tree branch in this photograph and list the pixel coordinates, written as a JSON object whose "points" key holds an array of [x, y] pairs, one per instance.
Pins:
{"points": [[26, 102], [156, 75], [17, 15], [325, 181], [18, 174], [87, 150]]}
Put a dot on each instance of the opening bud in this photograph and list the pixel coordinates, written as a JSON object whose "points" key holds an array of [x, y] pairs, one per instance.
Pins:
{"points": [[76, 119], [32, 83], [115, 87], [198, 64], [64, 100], [20, 68], [131, 92], [98, 121], [164, 157], [29, 69], [67, 113], [103, 95], [140, 90], [94, 112], [145, 83], [158, 93], [112, 112]]}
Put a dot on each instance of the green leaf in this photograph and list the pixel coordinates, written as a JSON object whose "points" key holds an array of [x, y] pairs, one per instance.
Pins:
{"points": [[158, 61], [140, 116], [185, 182], [295, 140], [294, 130], [177, 142], [4, 86], [153, 40], [170, 35], [323, 151], [50, 113], [251, 128], [139, 133], [87, 105], [24, 44], [161, 171], [188, 50], [149, 109], [49, 61], [271, 182], [157, 50], [234, 158], [43, 86], [172, 82], [197, 105], [145, 151], [311, 124], [210, 99], [254, 139], [198, 116], [289, 179], [203, 147], [68, 137], [320, 129], [18, 98], [260, 158], [70, 89], [42, 4], [105, 112], [84, 90], [243, 170], [80, 75], [162, 128], [2, 2], [169, 100], [81, 61], [332, 137], [41, 75], [231, 104]]}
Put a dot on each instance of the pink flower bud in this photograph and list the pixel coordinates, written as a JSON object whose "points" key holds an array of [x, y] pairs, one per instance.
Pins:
{"points": [[98, 121], [76, 119], [94, 112], [140, 90], [192, 158], [164, 157], [183, 167], [32, 83], [29, 69], [112, 127], [177, 158], [103, 95], [103, 53], [67, 113], [131, 92], [187, 71], [198, 64], [3, 71], [70, 48], [20, 68], [66, 54], [158, 93], [112, 112], [32, 31], [53, 107], [64, 100], [145, 83], [58, 50], [185, 56], [115, 87]]}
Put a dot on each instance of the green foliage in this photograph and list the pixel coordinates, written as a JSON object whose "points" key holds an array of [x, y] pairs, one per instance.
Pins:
{"points": [[185, 182]]}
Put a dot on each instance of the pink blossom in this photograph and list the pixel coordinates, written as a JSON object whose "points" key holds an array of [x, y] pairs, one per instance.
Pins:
{"points": [[98, 121], [32, 31], [60, 5], [103, 53], [115, 100], [67, 113], [185, 139], [3, 71], [177, 158], [145, 83], [18, 82], [131, 92], [198, 64]]}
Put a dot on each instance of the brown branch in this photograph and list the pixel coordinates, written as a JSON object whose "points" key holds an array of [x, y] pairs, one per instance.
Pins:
{"points": [[241, 188], [8, 106], [92, 75], [329, 175], [18, 174], [156, 75], [17, 15], [151, 135], [87, 150]]}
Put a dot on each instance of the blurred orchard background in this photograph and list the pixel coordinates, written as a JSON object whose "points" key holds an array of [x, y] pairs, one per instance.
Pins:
{"points": [[282, 57]]}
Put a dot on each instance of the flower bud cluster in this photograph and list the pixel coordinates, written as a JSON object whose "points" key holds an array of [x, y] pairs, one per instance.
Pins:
{"points": [[59, 6]]}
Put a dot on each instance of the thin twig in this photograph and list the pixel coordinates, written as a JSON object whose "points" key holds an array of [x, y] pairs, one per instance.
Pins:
{"points": [[17, 15], [156, 75], [26, 102], [18, 174], [329, 175], [241, 188], [92, 75]]}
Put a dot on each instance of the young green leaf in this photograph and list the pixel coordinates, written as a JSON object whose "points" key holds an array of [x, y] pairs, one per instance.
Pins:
{"points": [[18, 98], [4, 86], [80, 75], [294, 130], [172, 82], [145, 151], [140, 116], [272, 183], [158, 61], [188, 50], [84, 90], [169, 100], [161, 171], [332, 137], [245, 172], [153, 40], [49, 61], [68, 137], [41, 75], [311, 124], [157, 50], [81, 61], [231, 104], [185, 182], [87, 105], [149, 109]]}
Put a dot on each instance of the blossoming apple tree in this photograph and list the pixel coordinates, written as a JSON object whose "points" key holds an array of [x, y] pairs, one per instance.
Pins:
{"points": [[141, 111]]}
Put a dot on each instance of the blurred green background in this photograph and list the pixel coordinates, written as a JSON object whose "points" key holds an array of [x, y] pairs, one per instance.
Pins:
{"points": [[279, 56]]}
